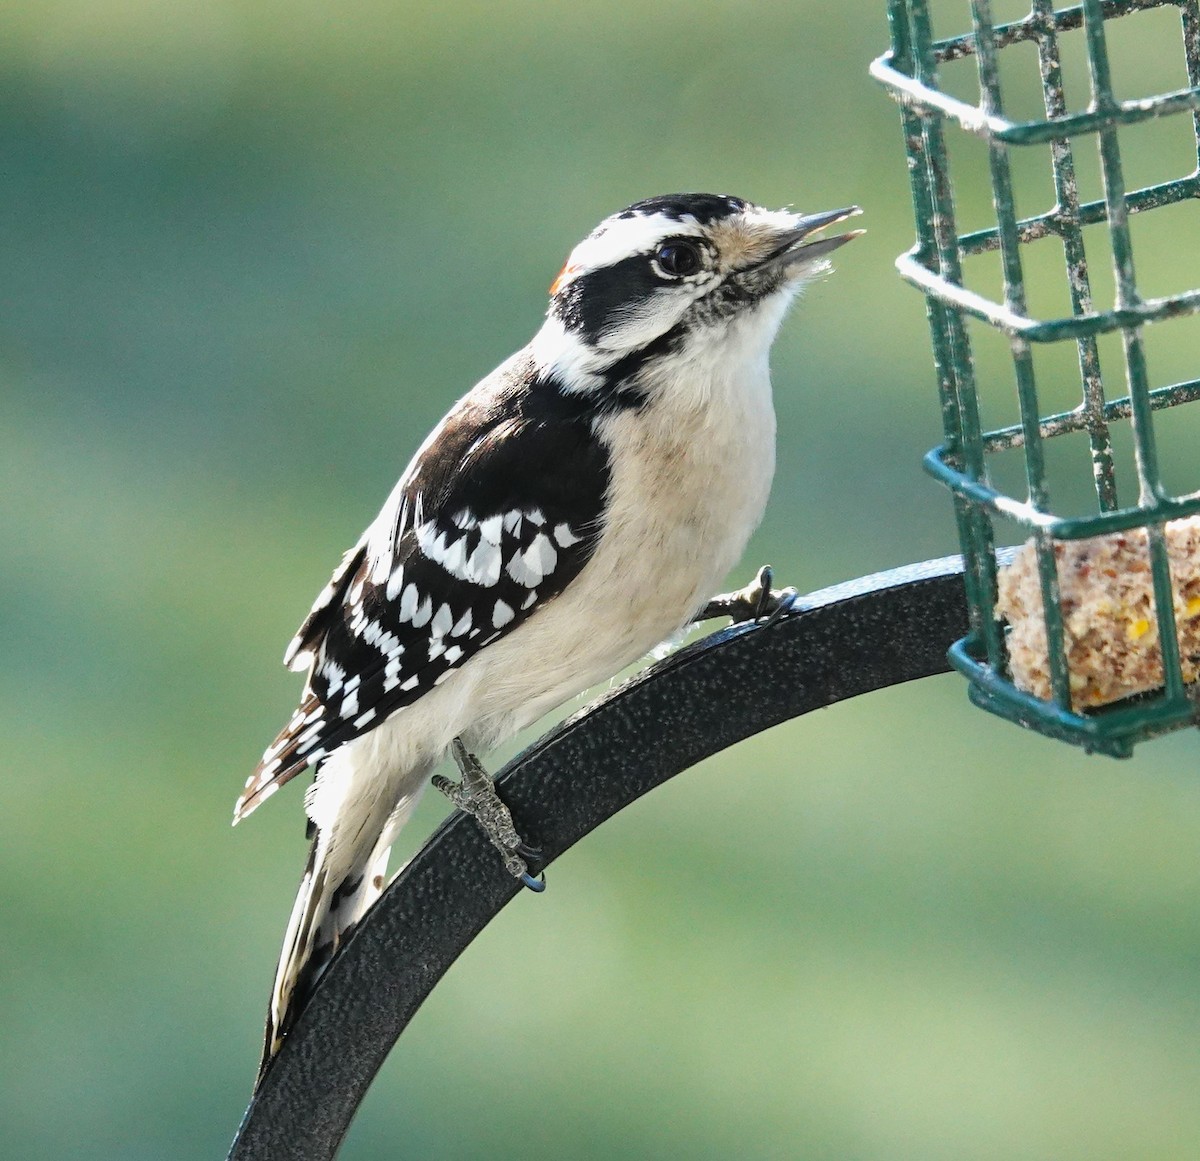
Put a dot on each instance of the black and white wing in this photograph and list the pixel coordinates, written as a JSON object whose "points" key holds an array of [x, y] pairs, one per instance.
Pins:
{"points": [[496, 515]]}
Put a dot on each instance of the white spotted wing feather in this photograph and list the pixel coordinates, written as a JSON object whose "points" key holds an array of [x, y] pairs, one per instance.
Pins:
{"points": [[468, 546]]}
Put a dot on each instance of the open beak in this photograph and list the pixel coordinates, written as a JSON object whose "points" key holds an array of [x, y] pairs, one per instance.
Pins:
{"points": [[799, 246]]}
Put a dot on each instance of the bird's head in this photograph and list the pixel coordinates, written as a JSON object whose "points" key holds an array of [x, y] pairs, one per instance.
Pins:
{"points": [[679, 268]]}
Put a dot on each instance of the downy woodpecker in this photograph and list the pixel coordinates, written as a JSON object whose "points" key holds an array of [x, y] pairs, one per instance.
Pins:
{"points": [[577, 507]]}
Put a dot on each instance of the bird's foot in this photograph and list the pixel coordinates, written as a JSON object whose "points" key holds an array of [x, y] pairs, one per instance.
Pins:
{"points": [[756, 602], [476, 795]]}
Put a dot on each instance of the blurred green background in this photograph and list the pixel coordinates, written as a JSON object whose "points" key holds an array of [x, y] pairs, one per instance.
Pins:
{"points": [[251, 252]]}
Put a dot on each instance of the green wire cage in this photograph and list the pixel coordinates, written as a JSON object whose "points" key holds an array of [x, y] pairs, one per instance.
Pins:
{"points": [[1059, 142]]}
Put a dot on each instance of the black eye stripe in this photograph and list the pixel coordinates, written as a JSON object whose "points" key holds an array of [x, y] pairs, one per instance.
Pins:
{"points": [[596, 299]]}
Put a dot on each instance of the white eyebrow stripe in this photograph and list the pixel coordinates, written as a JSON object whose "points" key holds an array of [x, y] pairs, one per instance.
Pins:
{"points": [[617, 238]]}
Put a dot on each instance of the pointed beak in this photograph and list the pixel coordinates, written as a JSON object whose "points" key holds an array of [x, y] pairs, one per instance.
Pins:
{"points": [[799, 245]]}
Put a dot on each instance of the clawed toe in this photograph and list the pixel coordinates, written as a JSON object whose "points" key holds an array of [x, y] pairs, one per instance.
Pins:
{"points": [[756, 602], [476, 795], [531, 855], [784, 601]]}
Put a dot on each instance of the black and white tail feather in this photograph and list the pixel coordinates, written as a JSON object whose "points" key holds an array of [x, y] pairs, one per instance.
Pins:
{"points": [[578, 506]]}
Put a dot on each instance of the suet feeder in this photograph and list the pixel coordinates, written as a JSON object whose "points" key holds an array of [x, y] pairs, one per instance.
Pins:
{"points": [[1111, 400]]}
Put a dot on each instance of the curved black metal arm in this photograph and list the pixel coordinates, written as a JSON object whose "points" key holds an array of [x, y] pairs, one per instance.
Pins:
{"points": [[867, 634]]}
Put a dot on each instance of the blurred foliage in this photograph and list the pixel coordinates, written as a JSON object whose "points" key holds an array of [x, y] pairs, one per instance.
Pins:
{"points": [[252, 250]]}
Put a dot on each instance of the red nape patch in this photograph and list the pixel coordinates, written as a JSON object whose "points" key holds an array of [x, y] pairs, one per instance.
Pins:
{"points": [[564, 275]]}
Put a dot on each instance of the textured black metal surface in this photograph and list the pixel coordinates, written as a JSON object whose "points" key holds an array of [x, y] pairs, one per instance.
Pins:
{"points": [[867, 634]]}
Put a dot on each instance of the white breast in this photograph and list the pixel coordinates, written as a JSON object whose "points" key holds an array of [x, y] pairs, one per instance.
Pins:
{"points": [[690, 479]]}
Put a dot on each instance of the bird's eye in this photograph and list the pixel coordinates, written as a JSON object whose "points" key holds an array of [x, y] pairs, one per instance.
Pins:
{"points": [[678, 258]]}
